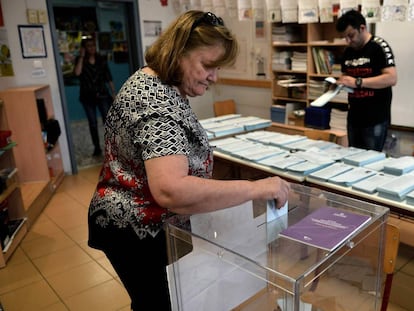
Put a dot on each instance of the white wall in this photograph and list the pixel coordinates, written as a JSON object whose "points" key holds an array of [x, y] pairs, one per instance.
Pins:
{"points": [[14, 13]]}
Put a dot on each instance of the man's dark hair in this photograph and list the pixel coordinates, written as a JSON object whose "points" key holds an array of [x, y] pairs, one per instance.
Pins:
{"points": [[351, 18]]}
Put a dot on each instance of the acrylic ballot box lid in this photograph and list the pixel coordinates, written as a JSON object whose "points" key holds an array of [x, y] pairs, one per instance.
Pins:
{"points": [[236, 259]]}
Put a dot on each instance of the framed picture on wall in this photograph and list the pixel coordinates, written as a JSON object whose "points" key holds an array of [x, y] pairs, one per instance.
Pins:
{"points": [[32, 41]]}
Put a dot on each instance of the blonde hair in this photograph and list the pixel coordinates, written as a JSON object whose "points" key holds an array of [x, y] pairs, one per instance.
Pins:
{"points": [[186, 34]]}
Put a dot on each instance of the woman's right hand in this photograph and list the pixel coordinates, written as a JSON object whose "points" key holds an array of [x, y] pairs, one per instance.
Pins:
{"points": [[274, 188]]}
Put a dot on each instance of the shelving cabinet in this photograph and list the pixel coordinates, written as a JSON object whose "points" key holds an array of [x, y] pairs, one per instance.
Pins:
{"points": [[13, 225], [39, 171], [297, 77]]}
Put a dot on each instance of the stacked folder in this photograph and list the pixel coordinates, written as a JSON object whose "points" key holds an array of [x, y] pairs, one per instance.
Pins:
{"points": [[371, 184], [331, 171], [398, 188], [363, 158], [400, 166], [352, 176]]}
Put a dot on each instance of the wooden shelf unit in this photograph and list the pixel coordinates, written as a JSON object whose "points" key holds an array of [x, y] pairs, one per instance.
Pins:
{"points": [[11, 197], [39, 171], [304, 38]]}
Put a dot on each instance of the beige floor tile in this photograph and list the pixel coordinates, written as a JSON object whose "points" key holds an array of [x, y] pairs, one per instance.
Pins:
{"points": [[105, 263], [35, 296], [61, 260], [94, 253], [15, 276], [78, 234], [107, 296], [46, 245], [59, 306], [402, 291], [78, 279], [18, 257], [42, 228]]}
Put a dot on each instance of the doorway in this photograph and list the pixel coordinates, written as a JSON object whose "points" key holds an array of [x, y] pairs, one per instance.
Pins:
{"points": [[114, 27]]}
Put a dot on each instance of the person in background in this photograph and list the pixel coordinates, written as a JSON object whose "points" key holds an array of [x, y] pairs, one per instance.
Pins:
{"points": [[158, 160], [368, 66], [94, 77]]}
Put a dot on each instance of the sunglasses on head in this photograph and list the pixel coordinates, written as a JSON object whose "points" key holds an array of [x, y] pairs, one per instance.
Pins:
{"points": [[208, 18]]}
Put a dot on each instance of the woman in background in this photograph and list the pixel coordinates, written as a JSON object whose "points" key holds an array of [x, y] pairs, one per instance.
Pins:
{"points": [[94, 76]]}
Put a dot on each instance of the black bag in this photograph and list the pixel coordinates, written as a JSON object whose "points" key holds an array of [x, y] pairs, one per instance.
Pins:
{"points": [[52, 129]]}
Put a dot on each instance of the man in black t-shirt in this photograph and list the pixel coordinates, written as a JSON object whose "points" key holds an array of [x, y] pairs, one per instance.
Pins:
{"points": [[368, 66]]}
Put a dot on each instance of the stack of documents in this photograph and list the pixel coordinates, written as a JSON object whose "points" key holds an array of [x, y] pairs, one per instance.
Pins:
{"points": [[282, 161], [204, 122], [370, 184], [397, 188], [410, 198], [339, 152], [237, 146], [400, 166], [352, 176], [253, 123], [379, 165], [313, 162], [364, 158], [260, 152], [331, 171]]}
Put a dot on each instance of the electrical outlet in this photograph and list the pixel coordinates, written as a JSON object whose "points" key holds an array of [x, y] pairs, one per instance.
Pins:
{"points": [[32, 16], [42, 16]]}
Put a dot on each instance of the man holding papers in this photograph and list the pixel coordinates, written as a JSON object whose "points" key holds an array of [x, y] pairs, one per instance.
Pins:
{"points": [[368, 66]]}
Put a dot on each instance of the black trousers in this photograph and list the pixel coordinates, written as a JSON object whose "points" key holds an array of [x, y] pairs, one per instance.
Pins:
{"points": [[141, 266]]}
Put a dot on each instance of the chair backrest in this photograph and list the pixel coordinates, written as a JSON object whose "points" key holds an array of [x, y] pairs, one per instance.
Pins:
{"points": [[320, 135], [224, 107]]}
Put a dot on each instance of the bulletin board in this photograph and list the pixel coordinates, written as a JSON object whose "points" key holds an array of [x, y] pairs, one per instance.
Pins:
{"points": [[399, 35]]}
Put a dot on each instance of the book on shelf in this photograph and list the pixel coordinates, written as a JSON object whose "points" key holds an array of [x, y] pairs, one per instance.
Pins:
{"points": [[326, 228]]}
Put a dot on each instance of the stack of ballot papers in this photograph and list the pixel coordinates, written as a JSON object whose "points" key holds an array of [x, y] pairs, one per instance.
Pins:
{"points": [[282, 161], [236, 146], [255, 135], [352, 176], [313, 162], [400, 166], [363, 158], [260, 152], [331, 171], [370, 184], [378, 165], [219, 118], [339, 152], [281, 140], [410, 198], [398, 188]]}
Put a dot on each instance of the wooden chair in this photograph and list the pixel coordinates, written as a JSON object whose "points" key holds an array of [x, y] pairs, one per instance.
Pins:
{"points": [[224, 107], [320, 135], [392, 241]]}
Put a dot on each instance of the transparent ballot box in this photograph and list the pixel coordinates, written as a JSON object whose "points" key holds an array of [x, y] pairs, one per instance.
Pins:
{"points": [[240, 259]]}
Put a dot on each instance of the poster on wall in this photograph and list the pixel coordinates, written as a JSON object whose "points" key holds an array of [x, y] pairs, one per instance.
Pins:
{"points": [[6, 66], [32, 41]]}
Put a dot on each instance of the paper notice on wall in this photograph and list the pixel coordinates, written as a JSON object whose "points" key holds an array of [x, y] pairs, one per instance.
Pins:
{"points": [[308, 11], [274, 13], [245, 9], [347, 5], [325, 11], [371, 9], [394, 10], [289, 11]]}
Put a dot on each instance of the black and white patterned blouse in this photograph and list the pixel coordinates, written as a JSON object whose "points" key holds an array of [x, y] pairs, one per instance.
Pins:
{"points": [[148, 119]]}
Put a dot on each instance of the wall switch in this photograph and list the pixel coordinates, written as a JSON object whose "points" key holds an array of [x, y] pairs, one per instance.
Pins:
{"points": [[42, 16], [32, 16]]}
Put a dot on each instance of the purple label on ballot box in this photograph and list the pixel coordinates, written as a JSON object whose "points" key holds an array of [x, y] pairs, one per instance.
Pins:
{"points": [[326, 228]]}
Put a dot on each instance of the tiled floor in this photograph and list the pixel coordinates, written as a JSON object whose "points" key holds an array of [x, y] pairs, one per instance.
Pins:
{"points": [[54, 269]]}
